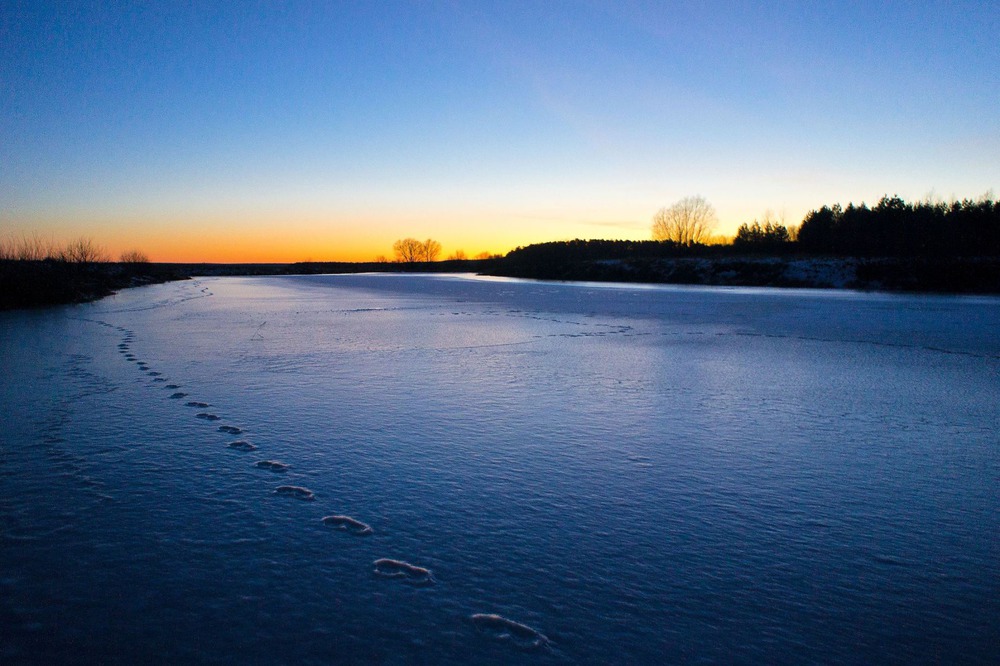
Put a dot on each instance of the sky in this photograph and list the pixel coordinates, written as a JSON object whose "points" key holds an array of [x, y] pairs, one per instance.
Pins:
{"points": [[325, 131]]}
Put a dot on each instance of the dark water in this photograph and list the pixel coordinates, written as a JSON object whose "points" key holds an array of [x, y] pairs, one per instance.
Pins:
{"points": [[550, 474]]}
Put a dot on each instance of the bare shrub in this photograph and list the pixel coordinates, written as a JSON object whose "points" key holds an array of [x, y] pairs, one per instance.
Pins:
{"points": [[83, 251], [134, 257], [27, 247]]}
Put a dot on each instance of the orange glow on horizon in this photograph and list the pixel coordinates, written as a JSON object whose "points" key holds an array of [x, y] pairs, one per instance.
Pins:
{"points": [[269, 245], [290, 239], [280, 248], [299, 234]]}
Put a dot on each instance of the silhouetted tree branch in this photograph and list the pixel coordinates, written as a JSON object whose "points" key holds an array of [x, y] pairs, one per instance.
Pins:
{"points": [[687, 222], [431, 250], [408, 250], [411, 251], [134, 257], [83, 251]]}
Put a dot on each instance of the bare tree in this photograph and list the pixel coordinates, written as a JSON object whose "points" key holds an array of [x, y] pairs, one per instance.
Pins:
{"points": [[134, 257], [458, 255], [408, 250], [83, 251], [431, 250], [687, 222]]}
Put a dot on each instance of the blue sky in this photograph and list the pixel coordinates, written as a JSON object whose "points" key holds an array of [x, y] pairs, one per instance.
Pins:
{"points": [[326, 130]]}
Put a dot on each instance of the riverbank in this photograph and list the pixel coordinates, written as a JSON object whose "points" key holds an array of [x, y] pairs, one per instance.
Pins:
{"points": [[26, 284], [41, 283], [951, 275], [945, 275]]}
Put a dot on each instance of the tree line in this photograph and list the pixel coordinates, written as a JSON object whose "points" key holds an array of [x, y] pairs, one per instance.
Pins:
{"points": [[895, 228], [891, 228], [951, 247]]}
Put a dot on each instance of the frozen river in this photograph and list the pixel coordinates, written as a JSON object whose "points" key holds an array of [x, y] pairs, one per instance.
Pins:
{"points": [[510, 472]]}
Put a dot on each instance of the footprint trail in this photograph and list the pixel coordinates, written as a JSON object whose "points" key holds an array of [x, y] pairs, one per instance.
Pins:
{"points": [[348, 524], [492, 625], [298, 492], [408, 573]]}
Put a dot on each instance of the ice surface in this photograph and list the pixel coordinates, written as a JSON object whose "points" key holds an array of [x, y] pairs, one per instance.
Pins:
{"points": [[647, 475]]}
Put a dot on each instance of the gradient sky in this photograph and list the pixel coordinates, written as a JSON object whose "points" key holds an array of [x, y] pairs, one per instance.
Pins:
{"points": [[287, 131]]}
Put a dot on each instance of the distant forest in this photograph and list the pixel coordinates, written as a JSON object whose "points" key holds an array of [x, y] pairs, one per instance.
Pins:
{"points": [[895, 228], [893, 245], [892, 228]]}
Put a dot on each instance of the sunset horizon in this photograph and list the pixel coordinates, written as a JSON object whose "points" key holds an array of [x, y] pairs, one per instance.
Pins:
{"points": [[525, 332], [327, 132]]}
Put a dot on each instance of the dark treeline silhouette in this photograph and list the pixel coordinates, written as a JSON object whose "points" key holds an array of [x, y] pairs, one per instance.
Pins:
{"points": [[31, 283], [320, 267], [769, 237], [330, 267], [895, 245], [895, 228], [597, 259], [599, 249]]}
